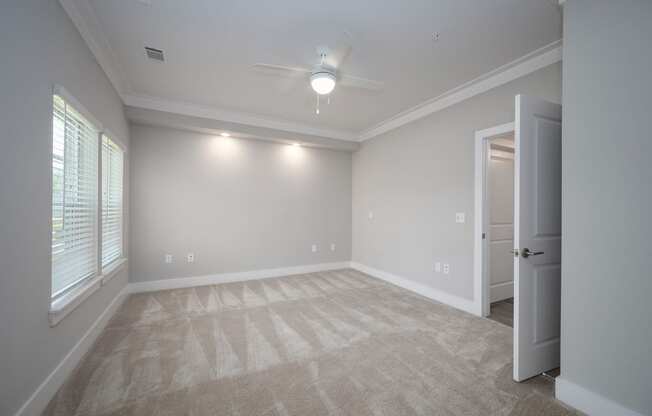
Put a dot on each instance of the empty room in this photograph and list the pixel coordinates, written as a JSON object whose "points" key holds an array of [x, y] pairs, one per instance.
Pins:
{"points": [[297, 208]]}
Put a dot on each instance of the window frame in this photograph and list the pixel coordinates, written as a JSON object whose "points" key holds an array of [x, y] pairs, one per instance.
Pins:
{"points": [[110, 270], [66, 301]]}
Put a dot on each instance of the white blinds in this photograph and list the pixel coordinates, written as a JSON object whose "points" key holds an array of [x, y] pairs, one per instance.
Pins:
{"points": [[112, 164], [74, 197]]}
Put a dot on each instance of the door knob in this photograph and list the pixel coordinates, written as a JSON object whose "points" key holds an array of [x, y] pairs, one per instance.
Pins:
{"points": [[527, 253]]}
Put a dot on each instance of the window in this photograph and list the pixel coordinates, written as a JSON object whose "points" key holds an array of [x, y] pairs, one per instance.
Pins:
{"points": [[87, 207], [74, 197], [112, 165]]}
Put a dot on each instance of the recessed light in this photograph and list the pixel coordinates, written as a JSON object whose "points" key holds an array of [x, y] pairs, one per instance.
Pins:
{"points": [[225, 134]]}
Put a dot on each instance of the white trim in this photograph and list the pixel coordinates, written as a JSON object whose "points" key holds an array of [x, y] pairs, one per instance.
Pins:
{"points": [[114, 138], [525, 65], [63, 305], [501, 291], [213, 113], [587, 401], [68, 302], [46, 391], [429, 292], [480, 283], [215, 279], [99, 47], [97, 42], [78, 106]]}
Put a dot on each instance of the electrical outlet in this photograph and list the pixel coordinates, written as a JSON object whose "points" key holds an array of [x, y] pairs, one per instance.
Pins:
{"points": [[438, 267], [191, 257], [333, 247], [168, 258], [314, 248], [447, 268], [459, 217]]}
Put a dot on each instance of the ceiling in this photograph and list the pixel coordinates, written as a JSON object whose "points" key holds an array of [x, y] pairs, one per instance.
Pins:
{"points": [[210, 47]]}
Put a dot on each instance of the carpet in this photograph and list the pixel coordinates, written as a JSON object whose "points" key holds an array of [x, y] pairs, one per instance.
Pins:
{"points": [[329, 343]]}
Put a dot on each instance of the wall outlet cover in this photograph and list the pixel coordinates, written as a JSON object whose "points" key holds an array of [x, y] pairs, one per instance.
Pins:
{"points": [[447, 268], [314, 248], [460, 217], [333, 247]]}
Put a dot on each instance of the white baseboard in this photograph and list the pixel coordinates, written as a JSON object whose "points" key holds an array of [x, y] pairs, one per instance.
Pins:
{"points": [[587, 401], [38, 401], [214, 279], [501, 291], [434, 294]]}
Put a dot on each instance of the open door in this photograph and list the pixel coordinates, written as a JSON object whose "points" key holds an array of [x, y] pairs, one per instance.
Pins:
{"points": [[537, 237]]}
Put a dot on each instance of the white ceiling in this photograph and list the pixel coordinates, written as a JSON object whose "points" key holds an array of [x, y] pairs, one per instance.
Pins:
{"points": [[210, 47]]}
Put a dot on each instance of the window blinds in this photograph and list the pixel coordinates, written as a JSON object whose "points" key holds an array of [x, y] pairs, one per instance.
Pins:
{"points": [[74, 197], [112, 165]]}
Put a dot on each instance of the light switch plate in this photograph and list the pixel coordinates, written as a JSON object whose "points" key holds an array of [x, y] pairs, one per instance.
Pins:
{"points": [[333, 247], [371, 215], [438, 267], [191, 257], [459, 217], [314, 248], [168, 258]]}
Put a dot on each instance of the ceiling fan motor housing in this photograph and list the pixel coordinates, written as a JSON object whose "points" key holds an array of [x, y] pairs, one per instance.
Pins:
{"points": [[322, 79]]}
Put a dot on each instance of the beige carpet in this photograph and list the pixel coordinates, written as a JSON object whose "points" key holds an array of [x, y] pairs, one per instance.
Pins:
{"points": [[332, 343]]}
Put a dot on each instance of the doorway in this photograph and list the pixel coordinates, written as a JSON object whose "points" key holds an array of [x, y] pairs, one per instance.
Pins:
{"points": [[500, 228], [533, 163], [494, 282]]}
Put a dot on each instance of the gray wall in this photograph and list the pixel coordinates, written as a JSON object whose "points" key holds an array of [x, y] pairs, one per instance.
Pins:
{"points": [[415, 178], [237, 204], [607, 200], [40, 46]]}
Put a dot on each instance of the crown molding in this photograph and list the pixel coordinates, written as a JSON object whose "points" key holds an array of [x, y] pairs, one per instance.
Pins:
{"points": [[96, 42], [89, 27], [518, 68], [83, 16], [213, 113]]}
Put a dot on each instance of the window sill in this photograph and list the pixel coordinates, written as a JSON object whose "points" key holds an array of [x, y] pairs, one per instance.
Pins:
{"points": [[61, 307]]}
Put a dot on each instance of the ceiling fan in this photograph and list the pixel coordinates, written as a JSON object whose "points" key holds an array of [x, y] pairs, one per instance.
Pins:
{"points": [[325, 75]]}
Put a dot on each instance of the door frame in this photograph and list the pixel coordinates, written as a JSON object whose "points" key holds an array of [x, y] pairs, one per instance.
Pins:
{"points": [[481, 294]]}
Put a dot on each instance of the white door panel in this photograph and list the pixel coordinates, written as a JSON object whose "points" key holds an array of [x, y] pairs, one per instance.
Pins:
{"points": [[537, 227]]}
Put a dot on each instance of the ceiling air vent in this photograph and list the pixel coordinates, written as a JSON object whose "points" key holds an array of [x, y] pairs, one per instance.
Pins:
{"points": [[153, 53]]}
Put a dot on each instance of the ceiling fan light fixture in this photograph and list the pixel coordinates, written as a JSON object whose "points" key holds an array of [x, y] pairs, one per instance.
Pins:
{"points": [[322, 82]]}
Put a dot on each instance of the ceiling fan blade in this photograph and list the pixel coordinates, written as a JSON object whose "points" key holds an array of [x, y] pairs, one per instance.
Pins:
{"points": [[362, 83], [281, 70], [337, 55]]}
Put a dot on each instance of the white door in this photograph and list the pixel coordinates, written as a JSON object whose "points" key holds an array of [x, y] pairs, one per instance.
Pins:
{"points": [[537, 236]]}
